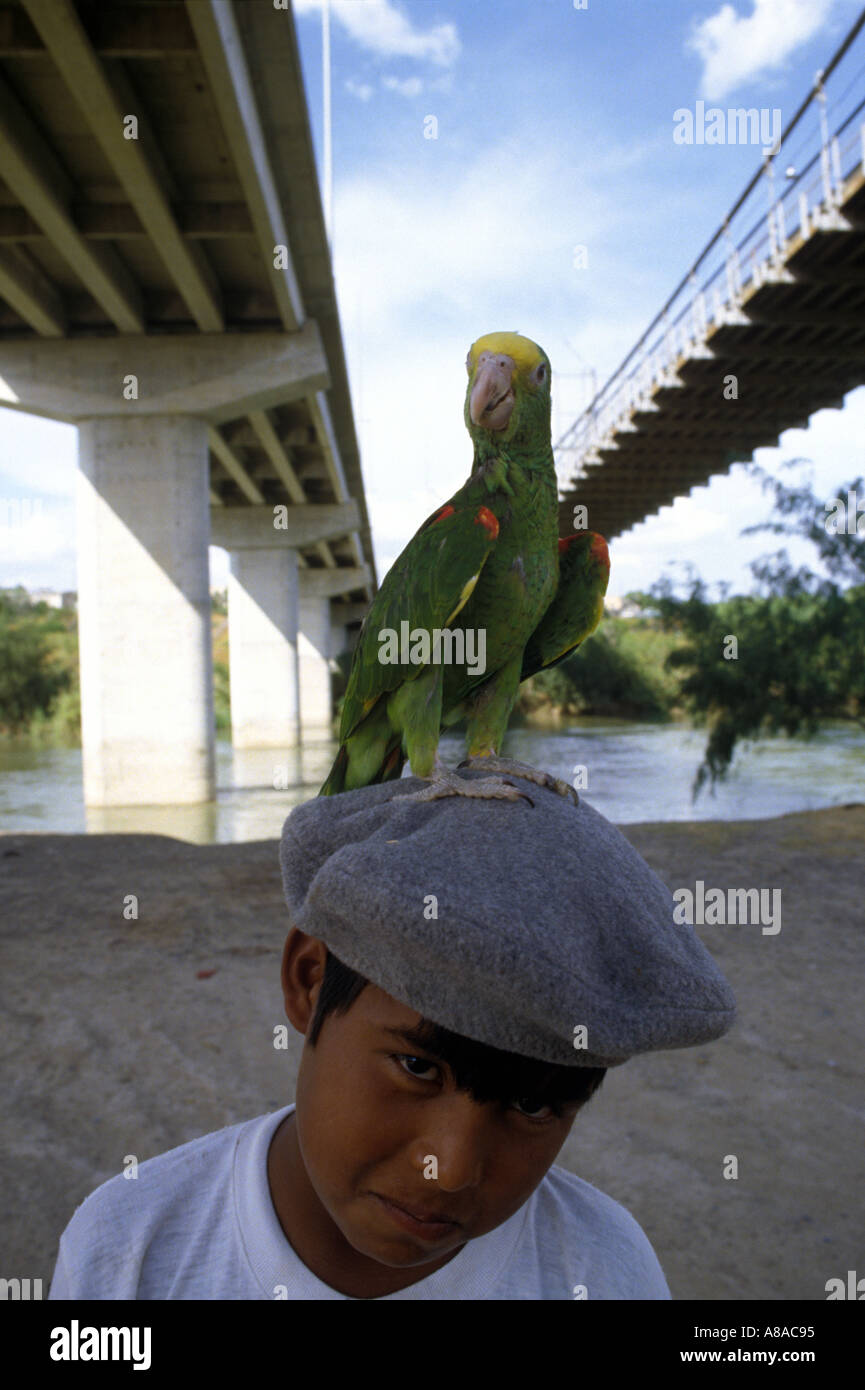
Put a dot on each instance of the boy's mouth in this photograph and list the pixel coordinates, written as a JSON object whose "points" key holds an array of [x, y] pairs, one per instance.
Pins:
{"points": [[430, 1223]]}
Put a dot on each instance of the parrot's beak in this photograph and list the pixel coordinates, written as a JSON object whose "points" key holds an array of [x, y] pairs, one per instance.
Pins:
{"points": [[492, 397]]}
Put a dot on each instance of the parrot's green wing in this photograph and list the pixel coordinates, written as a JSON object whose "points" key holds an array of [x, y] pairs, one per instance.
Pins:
{"points": [[426, 587], [578, 604]]}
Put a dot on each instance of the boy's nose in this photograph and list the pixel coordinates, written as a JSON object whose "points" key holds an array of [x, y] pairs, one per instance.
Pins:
{"points": [[459, 1137]]}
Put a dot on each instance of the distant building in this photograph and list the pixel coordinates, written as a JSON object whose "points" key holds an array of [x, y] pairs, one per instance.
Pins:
{"points": [[618, 607], [68, 598], [49, 596]]}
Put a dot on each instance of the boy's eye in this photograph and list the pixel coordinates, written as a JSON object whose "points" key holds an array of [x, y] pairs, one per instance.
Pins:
{"points": [[526, 1103], [404, 1057]]}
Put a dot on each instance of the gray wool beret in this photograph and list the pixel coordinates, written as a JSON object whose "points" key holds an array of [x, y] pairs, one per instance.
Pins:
{"points": [[537, 929]]}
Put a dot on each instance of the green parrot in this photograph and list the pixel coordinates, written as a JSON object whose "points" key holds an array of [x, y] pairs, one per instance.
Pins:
{"points": [[578, 605], [491, 558]]}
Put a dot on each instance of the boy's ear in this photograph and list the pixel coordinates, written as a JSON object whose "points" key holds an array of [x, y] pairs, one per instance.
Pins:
{"points": [[303, 961]]}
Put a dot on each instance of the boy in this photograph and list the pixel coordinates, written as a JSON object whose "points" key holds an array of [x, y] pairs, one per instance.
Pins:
{"points": [[463, 972]]}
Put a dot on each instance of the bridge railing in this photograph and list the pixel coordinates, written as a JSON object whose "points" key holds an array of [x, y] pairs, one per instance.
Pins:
{"points": [[811, 199]]}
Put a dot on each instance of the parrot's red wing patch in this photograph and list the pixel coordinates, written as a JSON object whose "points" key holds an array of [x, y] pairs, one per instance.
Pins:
{"points": [[597, 546], [565, 542], [447, 510], [487, 519], [599, 551]]}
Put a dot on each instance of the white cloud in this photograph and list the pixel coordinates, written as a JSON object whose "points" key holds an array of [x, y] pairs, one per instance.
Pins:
{"points": [[407, 87], [736, 48], [379, 26], [37, 510], [36, 455], [403, 86], [440, 235], [362, 90], [37, 541]]}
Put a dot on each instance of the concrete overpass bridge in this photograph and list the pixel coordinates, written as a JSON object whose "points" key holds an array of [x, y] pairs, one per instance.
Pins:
{"points": [[166, 285], [766, 327]]}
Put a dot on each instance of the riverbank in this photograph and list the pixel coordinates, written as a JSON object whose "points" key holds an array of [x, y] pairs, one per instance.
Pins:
{"points": [[129, 1037]]}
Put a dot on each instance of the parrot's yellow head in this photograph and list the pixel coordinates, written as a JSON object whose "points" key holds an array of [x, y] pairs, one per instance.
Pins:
{"points": [[509, 386]]}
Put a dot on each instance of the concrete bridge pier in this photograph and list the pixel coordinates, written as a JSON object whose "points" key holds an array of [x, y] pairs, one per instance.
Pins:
{"points": [[148, 411], [262, 648], [144, 610], [315, 647], [314, 663], [279, 619], [344, 627]]}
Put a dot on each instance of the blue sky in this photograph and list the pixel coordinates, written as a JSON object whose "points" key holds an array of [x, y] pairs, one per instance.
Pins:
{"points": [[554, 129]]}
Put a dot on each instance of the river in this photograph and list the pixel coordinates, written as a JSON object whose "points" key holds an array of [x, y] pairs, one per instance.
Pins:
{"points": [[634, 772]]}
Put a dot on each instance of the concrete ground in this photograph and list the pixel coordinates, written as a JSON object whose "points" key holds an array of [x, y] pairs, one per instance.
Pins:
{"points": [[115, 1042]]}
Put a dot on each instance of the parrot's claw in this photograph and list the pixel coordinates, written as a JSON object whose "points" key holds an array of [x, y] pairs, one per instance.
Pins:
{"points": [[531, 774], [448, 784]]}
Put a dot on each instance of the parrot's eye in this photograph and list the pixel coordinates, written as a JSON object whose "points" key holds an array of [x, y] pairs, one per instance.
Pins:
{"points": [[540, 372]]}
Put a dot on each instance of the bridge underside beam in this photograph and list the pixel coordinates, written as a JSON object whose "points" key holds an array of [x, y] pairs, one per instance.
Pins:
{"points": [[788, 342], [264, 528], [214, 375]]}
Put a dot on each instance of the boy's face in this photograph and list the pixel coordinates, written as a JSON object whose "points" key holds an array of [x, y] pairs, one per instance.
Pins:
{"points": [[373, 1112]]}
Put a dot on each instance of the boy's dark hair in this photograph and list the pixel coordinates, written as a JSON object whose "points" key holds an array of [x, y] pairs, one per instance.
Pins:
{"points": [[488, 1073]]}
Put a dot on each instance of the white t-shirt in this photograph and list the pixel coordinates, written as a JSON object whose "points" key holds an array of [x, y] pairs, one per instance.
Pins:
{"points": [[198, 1222]]}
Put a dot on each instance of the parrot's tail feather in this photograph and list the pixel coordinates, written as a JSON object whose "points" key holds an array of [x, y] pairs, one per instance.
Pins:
{"points": [[335, 781], [390, 770]]}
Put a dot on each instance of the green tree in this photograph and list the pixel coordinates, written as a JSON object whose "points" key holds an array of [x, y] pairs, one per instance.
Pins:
{"points": [[799, 641], [617, 671], [222, 699], [30, 678]]}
